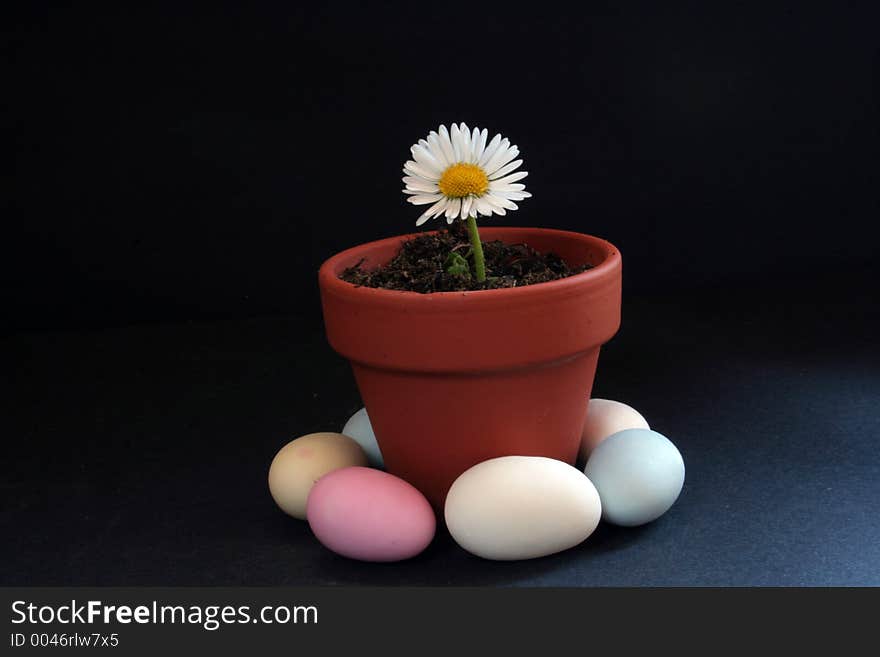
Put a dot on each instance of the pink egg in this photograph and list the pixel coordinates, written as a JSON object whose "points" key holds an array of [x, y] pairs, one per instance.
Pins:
{"points": [[606, 417], [370, 515]]}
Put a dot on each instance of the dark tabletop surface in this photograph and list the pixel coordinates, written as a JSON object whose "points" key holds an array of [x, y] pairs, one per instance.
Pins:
{"points": [[138, 455]]}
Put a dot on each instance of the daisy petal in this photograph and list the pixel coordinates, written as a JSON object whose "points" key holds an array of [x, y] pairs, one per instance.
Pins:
{"points": [[409, 178], [519, 175], [453, 208], [455, 136], [424, 199], [483, 206], [437, 149], [432, 211], [413, 182], [475, 143], [465, 143], [490, 150], [466, 206], [507, 168], [500, 202], [478, 152], [418, 189], [500, 158], [440, 207], [495, 204], [424, 144], [446, 145], [512, 196], [507, 189], [423, 157], [417, 169]]}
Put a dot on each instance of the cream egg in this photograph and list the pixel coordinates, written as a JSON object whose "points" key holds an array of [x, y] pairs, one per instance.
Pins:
{"points": [[359, 428], [639, 474], [606, 417], [370, 515], [301, 462], [521, 507]]}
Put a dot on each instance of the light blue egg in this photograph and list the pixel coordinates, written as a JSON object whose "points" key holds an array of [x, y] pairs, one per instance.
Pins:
{"points": [[360, 430], [639, 474]]}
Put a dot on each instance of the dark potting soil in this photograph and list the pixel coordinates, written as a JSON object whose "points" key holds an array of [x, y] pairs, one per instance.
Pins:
{"points": [[424, 264]]}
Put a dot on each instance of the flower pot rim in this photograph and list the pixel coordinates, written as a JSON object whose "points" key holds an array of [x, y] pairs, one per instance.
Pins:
{"points": [[328, 274]]}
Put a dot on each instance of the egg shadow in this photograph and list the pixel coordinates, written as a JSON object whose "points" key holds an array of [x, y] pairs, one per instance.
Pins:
{"points": [[608, 537], [444, 563], [475, 571]]}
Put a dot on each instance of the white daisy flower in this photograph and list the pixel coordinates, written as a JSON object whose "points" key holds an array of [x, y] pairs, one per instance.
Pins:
{"points": [[462, 175]]}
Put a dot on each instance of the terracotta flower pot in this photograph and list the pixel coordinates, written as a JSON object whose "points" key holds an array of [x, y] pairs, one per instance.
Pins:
{"points": [[454, 378]]}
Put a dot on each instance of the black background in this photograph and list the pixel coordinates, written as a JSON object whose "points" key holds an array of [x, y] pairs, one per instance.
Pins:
{"points": [[187, 164], [178, 175]]}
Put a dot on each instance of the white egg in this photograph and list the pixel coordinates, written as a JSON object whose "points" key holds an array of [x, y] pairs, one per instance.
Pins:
{"points": [[606, 417], [639, 474], [521, 507], [359, 428]]}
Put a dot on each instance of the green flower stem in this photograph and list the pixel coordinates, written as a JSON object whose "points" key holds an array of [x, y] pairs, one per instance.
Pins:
{"points": [[477, 246]]}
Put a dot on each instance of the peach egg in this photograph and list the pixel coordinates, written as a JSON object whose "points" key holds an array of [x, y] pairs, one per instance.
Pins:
{"points": [[606, 417], [301, 462]]}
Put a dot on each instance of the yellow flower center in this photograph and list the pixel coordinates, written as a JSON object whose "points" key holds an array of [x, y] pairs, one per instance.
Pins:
{"points": [[462, 180]]}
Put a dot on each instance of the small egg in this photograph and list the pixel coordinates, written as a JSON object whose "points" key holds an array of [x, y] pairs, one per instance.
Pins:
{"points": [[605, 417], [521, 507], [370, 515], [639, 474], [359, 428], [301, 462]]}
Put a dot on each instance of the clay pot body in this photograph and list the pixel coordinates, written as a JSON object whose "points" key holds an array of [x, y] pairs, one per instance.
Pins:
{"points": [[454, 378]]}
